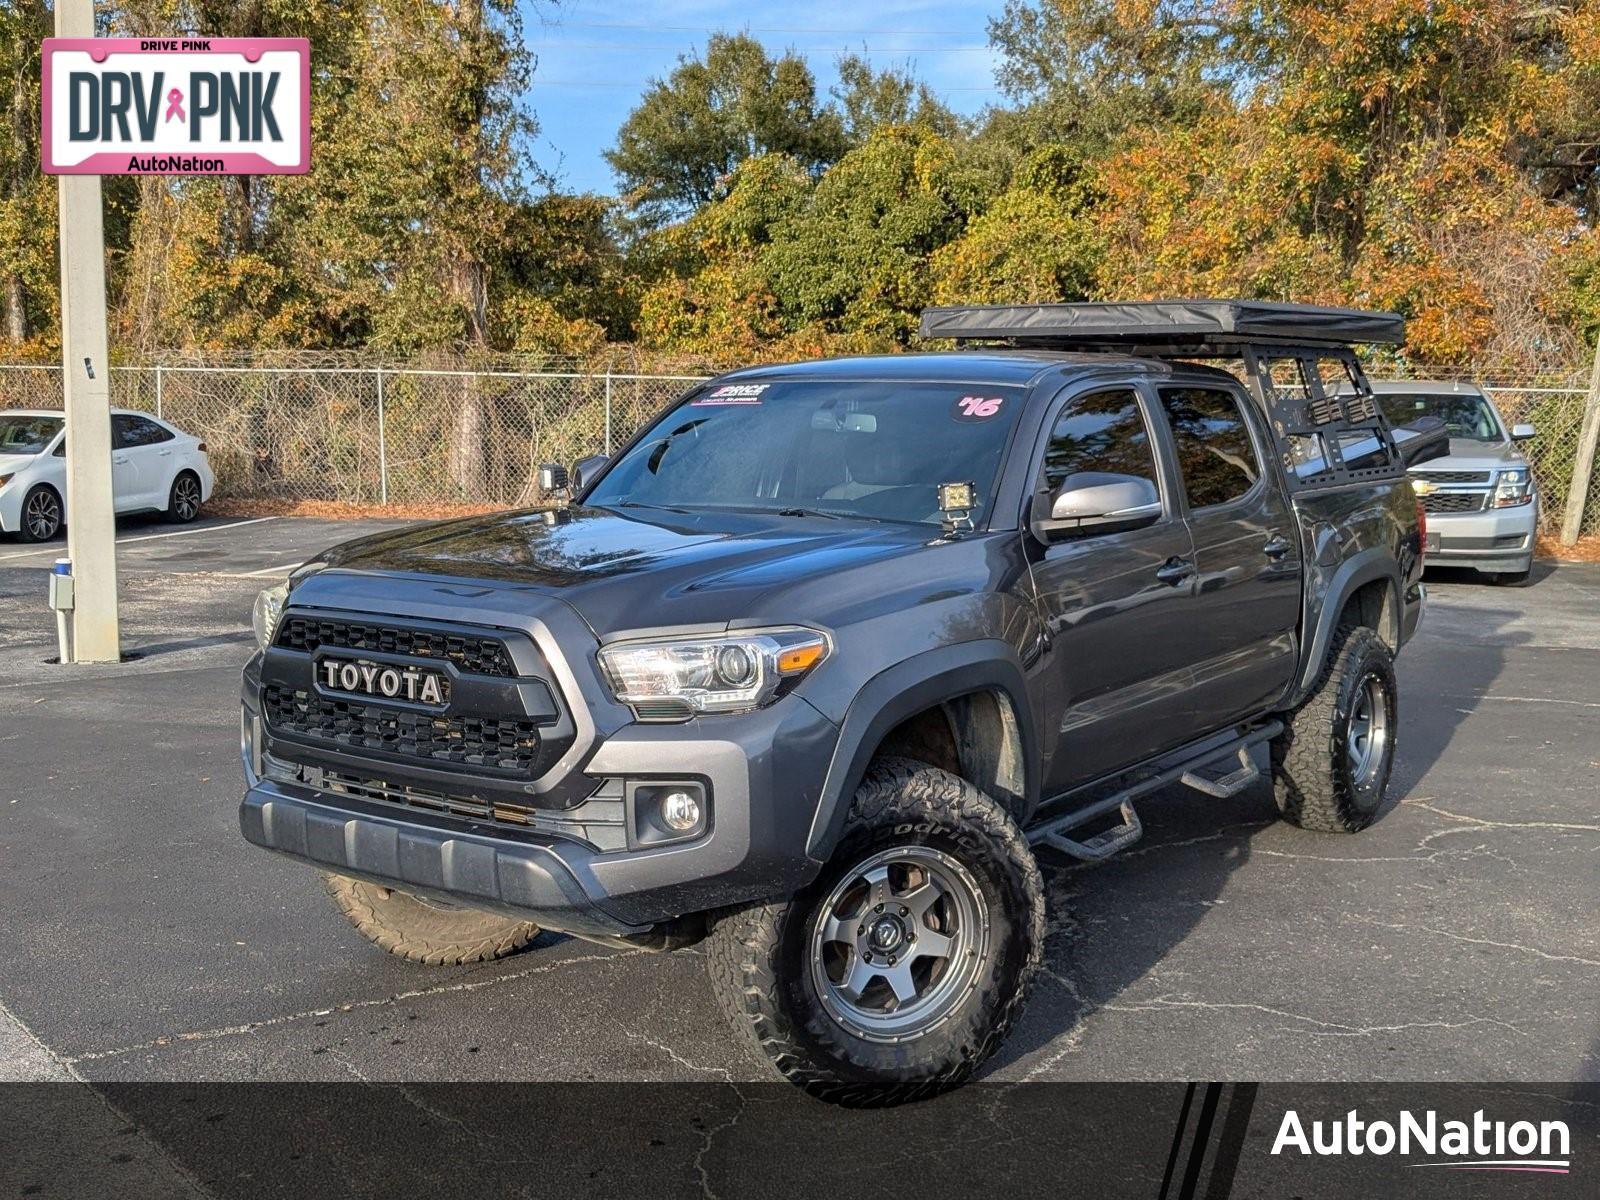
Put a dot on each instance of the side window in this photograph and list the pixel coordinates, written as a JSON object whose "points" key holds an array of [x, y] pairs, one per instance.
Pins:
{"points": [[1104, 431], [1215, 452], [122, 432], [139, 431]]}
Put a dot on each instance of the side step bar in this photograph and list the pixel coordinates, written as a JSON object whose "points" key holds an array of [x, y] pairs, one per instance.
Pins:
{"points": [[1053, 831]]}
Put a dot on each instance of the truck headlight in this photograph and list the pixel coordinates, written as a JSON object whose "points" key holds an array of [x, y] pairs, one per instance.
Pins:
{"points": [[268, 608], [270, 602], [677, 678], [1512, 487]]}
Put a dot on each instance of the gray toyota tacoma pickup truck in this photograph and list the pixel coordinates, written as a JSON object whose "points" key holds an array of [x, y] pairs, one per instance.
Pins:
{"points": [[815, 665]]}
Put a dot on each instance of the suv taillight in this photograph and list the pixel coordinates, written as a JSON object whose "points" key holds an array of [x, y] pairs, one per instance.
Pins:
{"points": [[202, 449]]}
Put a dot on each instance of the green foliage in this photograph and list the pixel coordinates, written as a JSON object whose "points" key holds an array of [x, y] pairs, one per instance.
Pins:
{"points": [[680, 147]]}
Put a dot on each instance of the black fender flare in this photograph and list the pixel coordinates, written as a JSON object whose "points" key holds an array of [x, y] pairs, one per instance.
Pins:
{"points": [[903, 690], [1360, 569]]}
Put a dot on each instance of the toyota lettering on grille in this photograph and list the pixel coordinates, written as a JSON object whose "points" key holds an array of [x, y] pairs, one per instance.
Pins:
{"points": [[383, 682]]}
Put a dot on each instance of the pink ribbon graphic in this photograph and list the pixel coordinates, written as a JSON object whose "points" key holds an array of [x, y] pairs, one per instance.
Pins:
{"points": [[175, 106]]}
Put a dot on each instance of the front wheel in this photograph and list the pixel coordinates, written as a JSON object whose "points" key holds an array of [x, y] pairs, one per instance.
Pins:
{"points": [[1331, 763], [183, 500], [907, 961], [41, 514]]}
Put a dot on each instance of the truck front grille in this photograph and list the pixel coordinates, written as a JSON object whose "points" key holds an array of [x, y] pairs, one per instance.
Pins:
{"points": [[1453, 476], [1454, 502], [508, 746], [473, 654]]}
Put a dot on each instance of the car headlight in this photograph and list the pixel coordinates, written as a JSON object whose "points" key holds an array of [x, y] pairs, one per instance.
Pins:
{"points": [[1512, 487], [677, 678], [268, 608], [5, 479]]}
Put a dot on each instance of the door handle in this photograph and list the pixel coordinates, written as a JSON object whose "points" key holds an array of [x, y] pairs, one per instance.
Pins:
{"points": [[1277, 546], [164, 453], [1175, 570], [120, 460]]}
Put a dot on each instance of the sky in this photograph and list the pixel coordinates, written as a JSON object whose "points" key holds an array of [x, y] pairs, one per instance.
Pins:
{"points": [[596, 57]]}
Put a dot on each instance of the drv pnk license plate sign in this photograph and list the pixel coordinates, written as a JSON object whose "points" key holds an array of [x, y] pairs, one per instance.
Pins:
{"points": [[177, 106]]}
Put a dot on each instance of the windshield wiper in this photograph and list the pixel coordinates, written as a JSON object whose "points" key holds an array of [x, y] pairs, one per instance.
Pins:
{"points": [[655, 507], [809, 512]]}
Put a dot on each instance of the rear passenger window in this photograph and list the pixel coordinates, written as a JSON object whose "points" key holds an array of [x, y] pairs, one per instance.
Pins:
{"points": [[1215, 452], [1100, 432], [138, 431]]}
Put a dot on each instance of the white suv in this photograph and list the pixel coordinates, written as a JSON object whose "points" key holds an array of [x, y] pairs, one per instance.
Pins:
{"points": [[155, 467]]}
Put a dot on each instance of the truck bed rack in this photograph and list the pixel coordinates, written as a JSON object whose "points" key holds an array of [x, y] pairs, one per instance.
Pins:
{"points": [[1296, 358]]}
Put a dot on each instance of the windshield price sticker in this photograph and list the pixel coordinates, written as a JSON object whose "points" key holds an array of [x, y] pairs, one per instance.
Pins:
{"points": [[732, 393], [177, 106], [977, 408]]}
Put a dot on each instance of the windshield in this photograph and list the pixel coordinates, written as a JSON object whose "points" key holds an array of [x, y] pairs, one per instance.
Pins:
{"points": [[876, 451], [27, 435], [1464, 415]]}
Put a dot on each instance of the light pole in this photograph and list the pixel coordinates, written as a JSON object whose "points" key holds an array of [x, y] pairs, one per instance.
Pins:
{"points": [[86, 384]]}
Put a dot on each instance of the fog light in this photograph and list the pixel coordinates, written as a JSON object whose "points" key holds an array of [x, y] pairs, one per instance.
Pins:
{"points": [[680, 811]]}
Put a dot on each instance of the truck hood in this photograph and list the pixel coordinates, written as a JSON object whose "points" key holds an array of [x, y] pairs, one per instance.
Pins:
{"points": [[1468, 455], [640, 569]]}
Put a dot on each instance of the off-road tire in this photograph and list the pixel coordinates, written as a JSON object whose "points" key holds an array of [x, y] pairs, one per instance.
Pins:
{"points": [[425, 933], [1312, 778], [760, 969]]}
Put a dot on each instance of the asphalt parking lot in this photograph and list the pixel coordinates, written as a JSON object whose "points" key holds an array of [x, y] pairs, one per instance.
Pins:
{"points": [[142, 939]]}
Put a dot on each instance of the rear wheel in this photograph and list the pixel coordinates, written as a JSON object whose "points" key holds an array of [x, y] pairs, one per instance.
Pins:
{"points": [[424, 931], [1331, 763], [907, 961], [41, 514], [183, 501]]}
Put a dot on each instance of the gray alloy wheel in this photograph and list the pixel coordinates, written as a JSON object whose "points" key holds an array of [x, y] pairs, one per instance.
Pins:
{"points": [[183, 505], [1367, 732], [41, 514], [897, 943]]}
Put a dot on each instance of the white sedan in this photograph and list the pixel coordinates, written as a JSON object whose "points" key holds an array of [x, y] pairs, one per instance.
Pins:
{"points": [[155, 467]]}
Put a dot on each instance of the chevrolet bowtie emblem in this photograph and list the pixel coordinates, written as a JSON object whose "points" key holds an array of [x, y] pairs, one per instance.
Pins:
{"points": [[1423, 488]]}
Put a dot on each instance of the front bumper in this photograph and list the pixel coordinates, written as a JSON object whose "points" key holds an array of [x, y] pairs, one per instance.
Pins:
{"points": [[1497, 539], [763, 775]]}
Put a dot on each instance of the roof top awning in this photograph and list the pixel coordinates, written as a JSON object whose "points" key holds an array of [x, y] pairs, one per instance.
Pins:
{"points": [[1196, 327]]}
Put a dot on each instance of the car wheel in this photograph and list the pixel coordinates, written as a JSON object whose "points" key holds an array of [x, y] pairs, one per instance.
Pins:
{"points": [[1331, 763], [183, 501], [906, 962], [41, 514], [423, 931]]}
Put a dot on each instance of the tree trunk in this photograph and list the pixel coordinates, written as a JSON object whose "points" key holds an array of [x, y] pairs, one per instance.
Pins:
{"points": [[468, 280]]}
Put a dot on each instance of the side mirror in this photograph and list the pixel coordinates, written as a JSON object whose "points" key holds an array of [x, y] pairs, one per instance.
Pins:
{"points": [[1521, 433], [1097, 502], [552, 477], [586, 470]]}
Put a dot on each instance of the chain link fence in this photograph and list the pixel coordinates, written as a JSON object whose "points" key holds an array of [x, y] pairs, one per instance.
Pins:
{"points": [[419, 435], [378, 435]]}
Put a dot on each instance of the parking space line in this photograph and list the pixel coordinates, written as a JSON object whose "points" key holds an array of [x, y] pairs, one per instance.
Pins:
{"points": [[284, 569], [149, 537]]}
